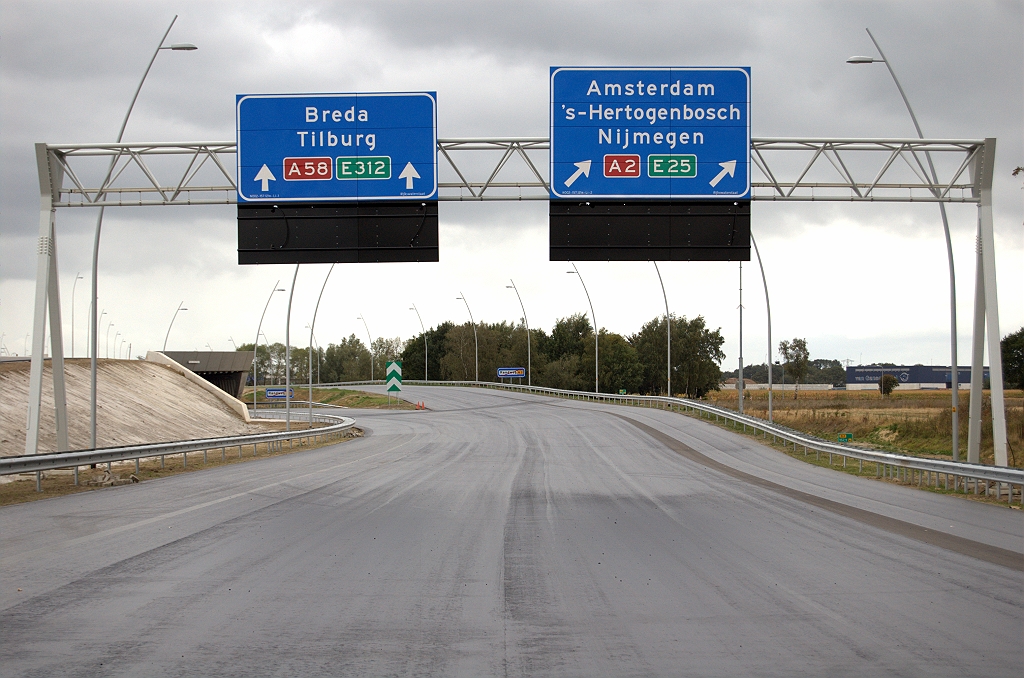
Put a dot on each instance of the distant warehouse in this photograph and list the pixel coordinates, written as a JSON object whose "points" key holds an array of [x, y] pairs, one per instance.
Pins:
{"points": [[865, 377]]}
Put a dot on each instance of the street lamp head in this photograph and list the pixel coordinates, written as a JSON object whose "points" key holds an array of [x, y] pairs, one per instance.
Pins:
{"points": [[863, 60], [181, 47]]}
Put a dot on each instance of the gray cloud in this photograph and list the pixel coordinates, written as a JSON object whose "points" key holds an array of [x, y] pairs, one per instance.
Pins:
{"points": [[68, 70]]}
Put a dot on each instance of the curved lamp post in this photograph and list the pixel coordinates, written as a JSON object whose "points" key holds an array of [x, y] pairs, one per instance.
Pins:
{"points": [[178, 47], [360, 317], [78, 276], [106, 351], [426, 374], [769, 307], [256, 345], [310, 352], [288, 355], [955, 371], [668, 324], [529, 370], [739, 372], [167, 336], [476, 343], [575, 271]]}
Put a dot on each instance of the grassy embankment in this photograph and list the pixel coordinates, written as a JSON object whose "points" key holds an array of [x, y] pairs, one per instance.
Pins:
{"points": [[908, 422], [334, 396]]}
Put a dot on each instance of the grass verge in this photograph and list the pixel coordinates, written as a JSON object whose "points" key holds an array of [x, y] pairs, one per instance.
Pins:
{"points": [[842, 464], [914, 422], [335, 396]]}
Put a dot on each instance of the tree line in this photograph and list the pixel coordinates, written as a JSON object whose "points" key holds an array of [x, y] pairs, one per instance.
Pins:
{"points": [[563, 358]]}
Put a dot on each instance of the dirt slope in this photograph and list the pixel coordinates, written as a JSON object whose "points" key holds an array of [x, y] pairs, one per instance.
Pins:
{"points": [[137, 402]]}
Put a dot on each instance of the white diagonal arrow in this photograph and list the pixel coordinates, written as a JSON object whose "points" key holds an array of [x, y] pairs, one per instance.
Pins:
{"points": [[728, 167], [265, 175], [583, 167], [409, 173]]}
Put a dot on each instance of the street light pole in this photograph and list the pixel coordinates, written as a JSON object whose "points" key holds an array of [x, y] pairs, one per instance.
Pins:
{"points": [[668, 324], [116, 335], [370, 338], [106, 350], [739, 373], [769, 307], [78, 276], [955, 371], [256, 345], [475, 342], [426, 361], [310, 353], [577, 272], [167, 336], [288, 356], [529, 368], [94, 321]]}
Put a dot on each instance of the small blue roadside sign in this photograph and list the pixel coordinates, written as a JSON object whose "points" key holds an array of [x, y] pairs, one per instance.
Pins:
{"points": [[280, 393], [513, 372], [336, 147], [650, 133]]}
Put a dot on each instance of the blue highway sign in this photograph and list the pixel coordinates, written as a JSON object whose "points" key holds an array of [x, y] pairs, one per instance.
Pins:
{"points": [[280, 393], [336, 147], [660, 133], [511, 372]]}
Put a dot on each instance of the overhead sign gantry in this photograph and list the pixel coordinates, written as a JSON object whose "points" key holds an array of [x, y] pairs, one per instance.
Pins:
{"points": [[404, 227]]}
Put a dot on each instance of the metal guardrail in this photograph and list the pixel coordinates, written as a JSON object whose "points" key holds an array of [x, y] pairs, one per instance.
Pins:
{"points": [[958, 476], [37, 463]]}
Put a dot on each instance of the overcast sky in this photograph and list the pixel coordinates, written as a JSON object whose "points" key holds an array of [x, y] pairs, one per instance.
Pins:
{"points": [[866, 282]]}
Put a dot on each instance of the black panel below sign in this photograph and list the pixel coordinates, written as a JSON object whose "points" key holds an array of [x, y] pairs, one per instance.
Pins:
{"points": [[337, 233], [649, 231]]}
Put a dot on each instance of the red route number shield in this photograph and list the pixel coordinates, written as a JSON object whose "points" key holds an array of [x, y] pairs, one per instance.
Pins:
{"points": [[627, 165], [308, 169]]}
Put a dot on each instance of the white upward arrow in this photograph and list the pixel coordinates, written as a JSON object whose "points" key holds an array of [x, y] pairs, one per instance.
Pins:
{"points": [[728, 167], [265, 175], [409, 173], [583, 167]]}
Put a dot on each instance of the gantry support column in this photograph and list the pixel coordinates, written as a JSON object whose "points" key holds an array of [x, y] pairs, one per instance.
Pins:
{"points": [[986, 318], [47, 294]]}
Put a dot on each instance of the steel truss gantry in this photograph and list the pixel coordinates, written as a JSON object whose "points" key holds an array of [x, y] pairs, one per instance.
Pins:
{"points": [[510, 169]]}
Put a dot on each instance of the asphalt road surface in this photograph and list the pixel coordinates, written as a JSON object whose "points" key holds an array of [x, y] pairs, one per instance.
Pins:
{"points": [[506, 534]]}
